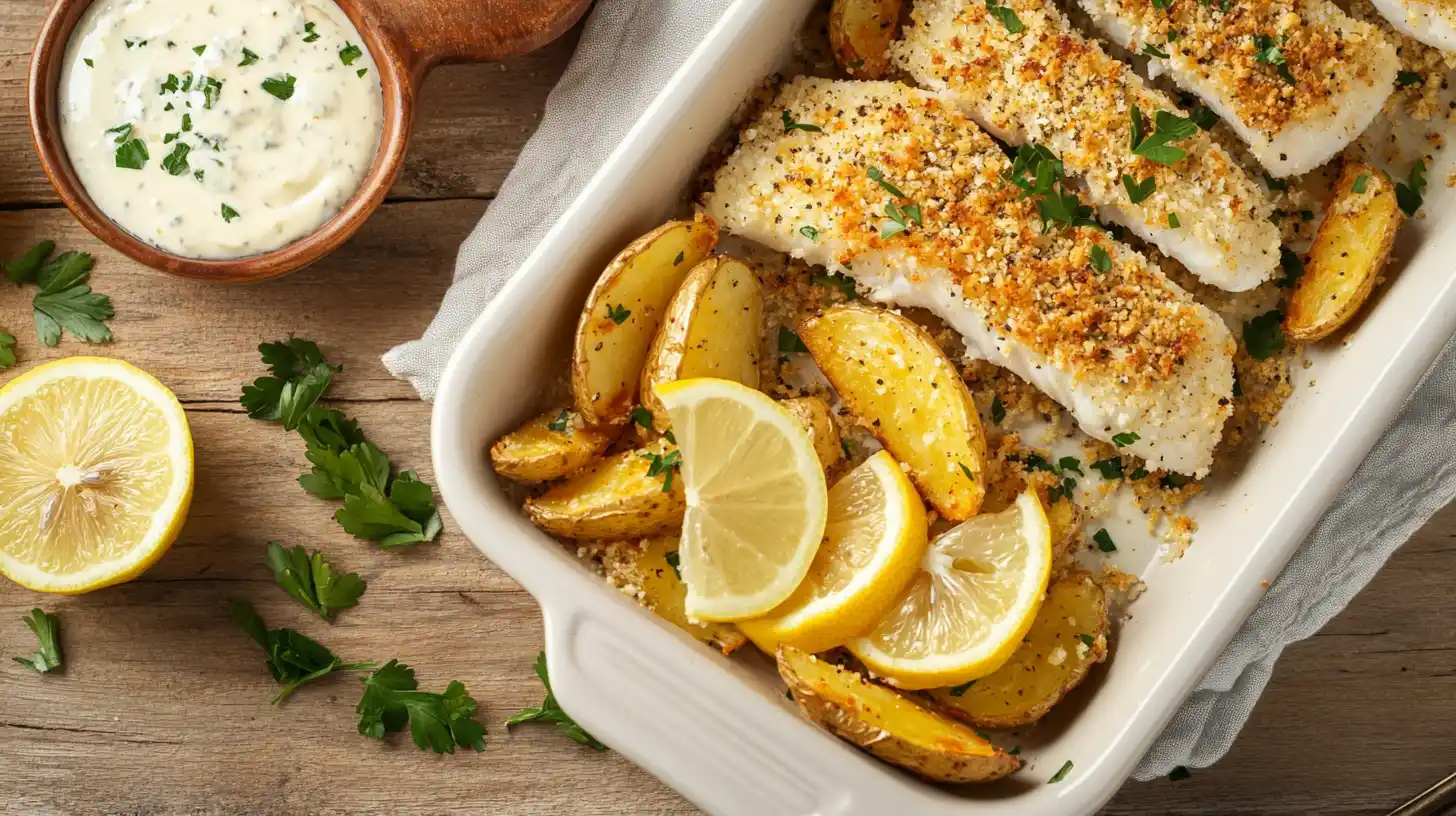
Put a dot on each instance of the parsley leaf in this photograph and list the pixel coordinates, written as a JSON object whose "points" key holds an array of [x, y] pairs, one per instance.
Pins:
{"points": [[879, 178], [1104, 543], [1405, 79], [176, 162], [1007, 17], [1125, 438], [550, 711], [1360, 183], [674, 560], [1137, 192], [1110, 468], [957, 691], [132, 154], [27, 266], [618, 314], [281, 87], [810, 232], [47, 629], [122, 132], [790, 124], [663, 465], [293, 659], [1172, 480], [1410, 194], [65, 302], [1293, 268], [562, 422], [1173, 221], [199, 50], [309, 35], [1264, 335], [1267, 52], [437, 722], [1061, 773], [7, 350], [228, 213], [248, 58], [311, 580], [1204, 117], [1153, 51], [843, 283], [1101, 261], [790, 342], [1167, 128], [300, 377], [1037, 172], [998, 410], [350, 53]]}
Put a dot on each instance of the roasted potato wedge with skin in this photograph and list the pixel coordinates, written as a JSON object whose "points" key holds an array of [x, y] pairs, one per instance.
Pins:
{"points": [[644, 566], [895, 379], [818, 420], [713, 329], [623, 313], [860, 33], [1348, 253], [614, 498], [536, 453], [1053, 659], [888, 724]]}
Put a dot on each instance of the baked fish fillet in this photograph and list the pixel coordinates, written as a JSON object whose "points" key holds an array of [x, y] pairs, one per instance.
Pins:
{"points": [[1132, 356], [1432, 22], [1048, 85], [1297, 80]]}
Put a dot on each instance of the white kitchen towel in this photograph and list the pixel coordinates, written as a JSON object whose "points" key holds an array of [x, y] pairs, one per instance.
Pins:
{"points": [[627, 53]]}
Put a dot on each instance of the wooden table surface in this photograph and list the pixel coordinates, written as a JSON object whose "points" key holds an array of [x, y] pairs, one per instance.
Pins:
{"points": [[163, 707]]}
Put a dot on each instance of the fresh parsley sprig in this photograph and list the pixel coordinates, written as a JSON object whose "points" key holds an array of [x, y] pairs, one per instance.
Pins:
{"points": [[791, 124], [294, 659], [1410, 194], [1038, 173], [312, 581], [7, 350], [550, 711], [300, 377], [1266, 51], [1167, 128], [47, 629], [1264, 335], [437, 722]]}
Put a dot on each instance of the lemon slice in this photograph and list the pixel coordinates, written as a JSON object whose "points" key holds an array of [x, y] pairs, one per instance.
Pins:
{"points": [[756, 497], [977, 593], [873, 544], [95, 474]]}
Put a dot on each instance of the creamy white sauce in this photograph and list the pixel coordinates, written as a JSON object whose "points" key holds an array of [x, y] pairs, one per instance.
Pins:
{"points": [[232, 169]]}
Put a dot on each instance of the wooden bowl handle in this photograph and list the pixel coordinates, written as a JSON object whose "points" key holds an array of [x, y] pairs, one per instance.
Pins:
{"points": [[428, 32]]}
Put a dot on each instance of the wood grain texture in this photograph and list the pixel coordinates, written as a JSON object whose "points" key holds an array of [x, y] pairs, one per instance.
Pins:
{"points": [[163, 708]]}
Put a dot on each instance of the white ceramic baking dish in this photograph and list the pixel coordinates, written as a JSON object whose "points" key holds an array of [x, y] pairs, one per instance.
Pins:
{"points": [[718, 729]]}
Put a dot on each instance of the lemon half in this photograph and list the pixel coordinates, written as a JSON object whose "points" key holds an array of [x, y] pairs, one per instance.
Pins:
{"points": [[977, 593], [95, 474], [756, 495]]}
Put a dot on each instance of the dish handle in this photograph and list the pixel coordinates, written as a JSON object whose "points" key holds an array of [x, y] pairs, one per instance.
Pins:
{"points": [[429, 32], [651, 702]]}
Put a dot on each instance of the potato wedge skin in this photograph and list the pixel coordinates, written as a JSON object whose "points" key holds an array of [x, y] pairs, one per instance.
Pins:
{"points": [[712, 329], [818, 420], [606, 363], [644, 566], [860, 33], [1351, 247], [889, 725], [1026, 688], [535, 453], [895, 379], [614, 498]]}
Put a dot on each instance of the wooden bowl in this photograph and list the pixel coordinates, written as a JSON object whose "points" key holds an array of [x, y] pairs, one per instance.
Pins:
{"points": [[407, 38]]}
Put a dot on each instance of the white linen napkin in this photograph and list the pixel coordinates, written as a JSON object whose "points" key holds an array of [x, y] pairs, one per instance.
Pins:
{"points": [[629, 50]]}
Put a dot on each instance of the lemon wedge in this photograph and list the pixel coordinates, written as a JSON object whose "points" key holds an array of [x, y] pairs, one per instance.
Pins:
{"points": [[756, 497], [964, 615], [95, 474], [873, 543]]}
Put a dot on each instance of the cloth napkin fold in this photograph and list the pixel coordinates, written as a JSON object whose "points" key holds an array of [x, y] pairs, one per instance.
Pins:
{"points": [[628, 51]]}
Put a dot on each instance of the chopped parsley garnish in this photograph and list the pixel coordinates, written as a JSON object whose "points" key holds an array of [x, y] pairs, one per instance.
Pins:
{"points": [[350, 53], [900, 218], [123, 132], [1139, 473], [790, 124], [1275, 184], [211, 90], [1137, 192], [1360, 183], [618, 314], [437, 721], [132, 154], [1410, 194], [228, 213], [186, 122], [175, 162], [1088, 640], [170, 138], [170, 85], [281, 87], [248, 58], [1007, 17], [562, 422], [1267, 52], [1061, 491], [1153, 51], [664, 466], [1264, 335], [89, 63], [199, 50], [1162, 5], [1178, 774], [998, 410], [1071, 463], [1292, 265], [789, 342], [1204, 117], [1167, 128], [363, 71], [679, 259], [309, 35], [1104, 543], [1125, 438], [1405, 79], [551, 711], [642, 417], [1061, 773], [312, 581], [1037, 172], [956, 691], [810, 232], [879, 178], [1101, 261], [1173, 221], [47, 630], [1173, 480], [843, 283], [1110, 468], [966, 470], [674, 560]]}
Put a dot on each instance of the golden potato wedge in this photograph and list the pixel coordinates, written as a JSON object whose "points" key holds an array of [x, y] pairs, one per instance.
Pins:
{"points": [[818, 419], [614, 498], [551, 446], [888, 724], [623, 312], [713, 329], [895, 379], [1348, 253], [860, 33], [1054, 658], [646, 568]]}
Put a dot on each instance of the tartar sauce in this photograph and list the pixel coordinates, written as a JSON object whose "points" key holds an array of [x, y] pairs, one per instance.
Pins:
{"points": [[219, 129]]}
